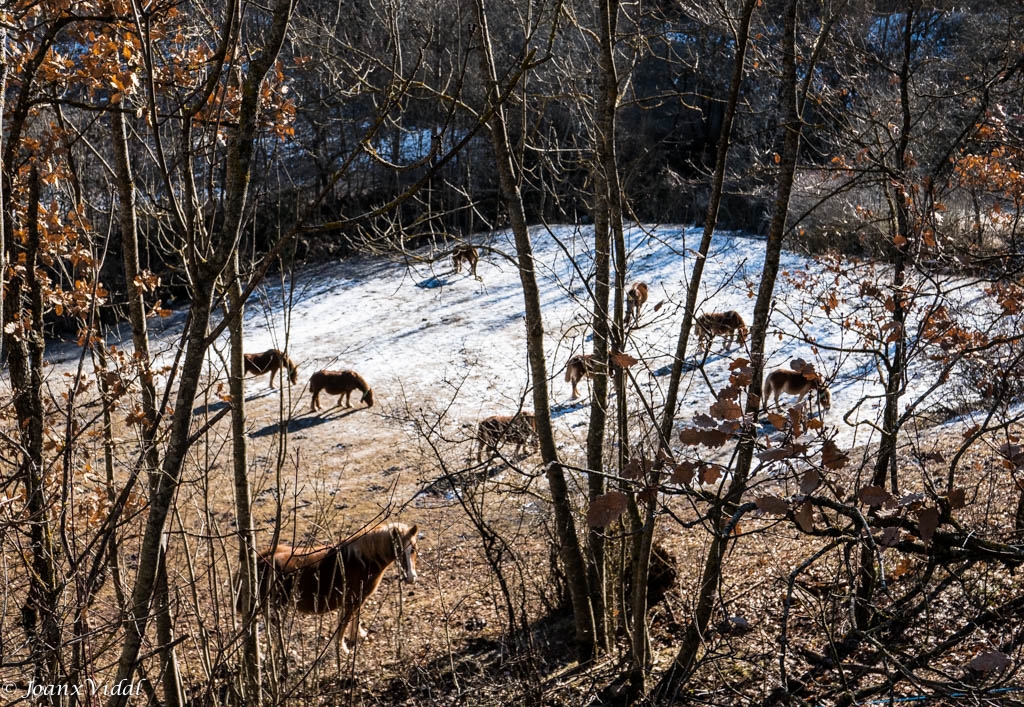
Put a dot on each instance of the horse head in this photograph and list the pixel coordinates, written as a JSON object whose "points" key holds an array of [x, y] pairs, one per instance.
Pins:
{"points": [[824, 397], [403, 539]]}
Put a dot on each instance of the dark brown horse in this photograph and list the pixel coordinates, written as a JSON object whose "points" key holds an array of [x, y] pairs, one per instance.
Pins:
{"points": [[579, 367], [340, 383], [636, 296], [323, 578], [465, 253], [494, 430], [271, 361], [729, 325]]}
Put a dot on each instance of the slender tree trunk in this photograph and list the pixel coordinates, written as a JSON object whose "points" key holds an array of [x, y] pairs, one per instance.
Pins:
{"points": [[710, 221], [3, 186], [136, 287], [686, 659], [251, 660], [25, 347], [896, 364], [205, 277], [607, 212], [570, 551]]}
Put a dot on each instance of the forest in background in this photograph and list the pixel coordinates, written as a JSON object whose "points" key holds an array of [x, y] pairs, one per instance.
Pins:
{"points": [[170, 155]]}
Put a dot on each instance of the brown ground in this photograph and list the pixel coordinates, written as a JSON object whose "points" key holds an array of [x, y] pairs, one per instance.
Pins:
{"points": [[445, 639]]}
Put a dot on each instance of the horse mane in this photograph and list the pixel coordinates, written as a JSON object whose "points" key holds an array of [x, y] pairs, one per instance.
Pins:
{"points": [[287, 361], [376, 545], [360, 382]]}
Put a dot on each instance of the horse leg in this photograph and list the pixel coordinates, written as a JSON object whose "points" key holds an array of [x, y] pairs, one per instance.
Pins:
{"points": [[353, 631], [316, 401]]}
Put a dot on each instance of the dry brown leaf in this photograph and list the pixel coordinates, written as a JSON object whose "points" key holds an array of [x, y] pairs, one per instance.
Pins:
{"points": [[710, 474], [805, 517], [957, 498], [773, 505], [683, 473], [709, 438], [874, 496], [810, 482], [605, 509], [726, 410], [831, 457], [990, 662], [927, 522], [889, 537]]}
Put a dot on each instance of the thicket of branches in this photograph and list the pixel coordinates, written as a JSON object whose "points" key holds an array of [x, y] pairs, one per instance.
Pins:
{"points": [[168, 153]]}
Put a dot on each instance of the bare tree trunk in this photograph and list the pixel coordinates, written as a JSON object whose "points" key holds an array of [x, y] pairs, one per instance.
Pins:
{"points": [[570, 551], [136, 287], [607, 217], [252, 680], [25, 347], [896, 365], [239, 165], [710, 222], [686, 658], [3, 186]]}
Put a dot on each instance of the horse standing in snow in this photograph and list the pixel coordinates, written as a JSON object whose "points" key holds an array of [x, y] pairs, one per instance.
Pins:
{"points": [[729, 325], [794, 383], [271, 361], [467, 254], [636, 296], [579, 367], [494, 430], [340, 383]]}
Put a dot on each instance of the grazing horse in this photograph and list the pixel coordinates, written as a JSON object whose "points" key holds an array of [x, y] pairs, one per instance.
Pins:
{"points": [[465, 253], [726, 324], [794, 383], [271, 361], [340, 383], [636, 296], [579, 367], [494, 430], [323, 578]]}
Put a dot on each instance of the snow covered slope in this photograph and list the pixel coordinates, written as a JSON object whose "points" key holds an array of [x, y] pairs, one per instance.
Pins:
{"points": [[424, 335]]}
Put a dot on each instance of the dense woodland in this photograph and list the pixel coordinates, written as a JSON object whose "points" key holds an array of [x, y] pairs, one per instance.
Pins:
{"points": [[168, 158]]}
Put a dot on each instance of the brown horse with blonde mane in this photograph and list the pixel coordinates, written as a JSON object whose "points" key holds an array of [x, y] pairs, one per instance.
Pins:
{"points": [[340, 383], [796, 383], [271, 361], [320, 579]]}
